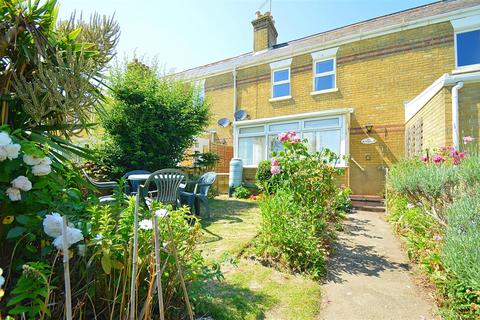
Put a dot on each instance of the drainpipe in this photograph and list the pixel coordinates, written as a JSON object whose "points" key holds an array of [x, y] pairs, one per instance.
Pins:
{"points": [[455, 130], [234, 73]]}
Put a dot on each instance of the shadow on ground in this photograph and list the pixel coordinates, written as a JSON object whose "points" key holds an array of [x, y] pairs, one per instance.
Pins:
{"points": [[223, 301], [352, 258]]}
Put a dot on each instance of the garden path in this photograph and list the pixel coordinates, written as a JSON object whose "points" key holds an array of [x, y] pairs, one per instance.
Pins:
{"points": [[369, 277]]}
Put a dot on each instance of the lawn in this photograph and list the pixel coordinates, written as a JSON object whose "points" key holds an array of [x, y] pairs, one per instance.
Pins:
{"points": [[250, 290]]}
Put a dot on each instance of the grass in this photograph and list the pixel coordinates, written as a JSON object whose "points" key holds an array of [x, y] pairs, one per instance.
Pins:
{"points": [[250, 290]]}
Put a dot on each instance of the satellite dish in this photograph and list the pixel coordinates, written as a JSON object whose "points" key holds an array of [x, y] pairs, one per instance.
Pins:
{"points": [[224, 122], [240, 115], [368, 140]]}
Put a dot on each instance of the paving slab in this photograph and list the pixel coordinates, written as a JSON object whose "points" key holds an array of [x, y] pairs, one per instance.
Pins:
{"points": [[369, 277]]}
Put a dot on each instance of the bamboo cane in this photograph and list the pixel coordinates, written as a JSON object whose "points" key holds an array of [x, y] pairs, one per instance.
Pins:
{"points": [[135, 253], [180, 273], [66, 272], [157, 267]]}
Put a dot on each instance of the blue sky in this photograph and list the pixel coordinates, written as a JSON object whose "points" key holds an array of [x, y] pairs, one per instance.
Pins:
{"points": [[181, 34]]}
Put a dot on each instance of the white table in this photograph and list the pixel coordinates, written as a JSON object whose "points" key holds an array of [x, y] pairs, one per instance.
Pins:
{"points": [[139, 177]]}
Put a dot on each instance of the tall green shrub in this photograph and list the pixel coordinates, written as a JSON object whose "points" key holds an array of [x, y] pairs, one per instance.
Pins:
{"points": [[151, 121]]}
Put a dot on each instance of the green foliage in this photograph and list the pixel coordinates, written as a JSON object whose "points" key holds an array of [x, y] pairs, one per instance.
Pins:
{"points": [[31, 292], [462, 243], [151, 121], [205, 161], [263, 173], [241, 192], [300, 208]]}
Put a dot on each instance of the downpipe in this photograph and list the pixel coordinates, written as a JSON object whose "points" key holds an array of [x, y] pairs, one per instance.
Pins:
{"points": [[455, 128]]}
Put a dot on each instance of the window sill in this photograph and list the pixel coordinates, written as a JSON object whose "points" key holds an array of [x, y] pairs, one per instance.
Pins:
{"points": [[314, 93], [466, 69], [280, 99]]}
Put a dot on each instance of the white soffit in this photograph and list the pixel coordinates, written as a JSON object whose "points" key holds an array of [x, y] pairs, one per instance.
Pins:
{"points": [[324, 54], [466, 24]]}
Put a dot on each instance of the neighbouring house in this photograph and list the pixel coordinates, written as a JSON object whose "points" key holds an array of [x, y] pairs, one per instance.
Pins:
{"points": [[395, 78]]}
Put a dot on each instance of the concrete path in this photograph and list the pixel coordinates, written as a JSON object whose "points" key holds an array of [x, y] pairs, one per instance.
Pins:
{"points": [[369, 276]]}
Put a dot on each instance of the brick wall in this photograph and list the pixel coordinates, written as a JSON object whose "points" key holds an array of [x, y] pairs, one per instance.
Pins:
{"points": [[469, 110], [374, 77]]}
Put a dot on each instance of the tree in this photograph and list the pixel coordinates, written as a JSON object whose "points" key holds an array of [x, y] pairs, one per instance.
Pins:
{"points": [[51, 72], [150, 121]]}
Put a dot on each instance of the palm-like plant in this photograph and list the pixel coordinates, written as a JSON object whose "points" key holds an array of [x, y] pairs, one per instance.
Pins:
{"points": [[51, 73]]}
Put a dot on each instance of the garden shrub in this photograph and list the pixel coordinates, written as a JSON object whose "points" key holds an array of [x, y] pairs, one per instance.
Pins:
{"points": [[433, 203], [241, 192], [151, 121], [301, 207], [263, 173]]}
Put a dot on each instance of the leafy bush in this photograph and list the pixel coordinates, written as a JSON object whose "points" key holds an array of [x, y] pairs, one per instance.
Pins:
{"points": [[462, 242], [151, 121], [300, 208], [241, 192], [263, 173]]}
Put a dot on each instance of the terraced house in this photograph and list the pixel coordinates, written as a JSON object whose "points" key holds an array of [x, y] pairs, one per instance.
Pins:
{"points": [[373, 91]]}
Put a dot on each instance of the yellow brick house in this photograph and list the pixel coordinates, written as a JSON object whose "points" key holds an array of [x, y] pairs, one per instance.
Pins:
{"points": [[380, 79]]}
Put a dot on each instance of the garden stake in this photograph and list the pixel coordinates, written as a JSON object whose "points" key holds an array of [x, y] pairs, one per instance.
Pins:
{"points": [[180, 274], [157, 267], [66, 271], [135, 252]]}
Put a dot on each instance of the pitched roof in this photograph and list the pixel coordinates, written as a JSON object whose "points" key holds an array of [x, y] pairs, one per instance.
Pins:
{"points": [[410, 18]]}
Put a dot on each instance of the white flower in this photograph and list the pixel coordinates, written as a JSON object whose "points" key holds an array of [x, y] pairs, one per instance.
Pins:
{"points": [[52, 224], [22, 183], [161, 213], [410, 206], [3, 153], [98, 237], [12, 151], [145, 224], [45, 161], [13, 194], [81, 250], [31, 160], [4, 138], [2, 279], [73, 236], [41, 170]]}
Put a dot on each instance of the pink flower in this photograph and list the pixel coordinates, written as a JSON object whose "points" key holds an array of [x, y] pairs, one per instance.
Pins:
{"points": [[274, 162], [437, 158], [275, 170], [425, 158], [468, 139], [454, 153], [456, 161], [292, 134], [461, 155], [283, 137], [437, 238], [295, 139]]}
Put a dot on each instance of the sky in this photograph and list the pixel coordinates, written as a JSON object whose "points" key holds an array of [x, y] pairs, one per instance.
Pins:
{"points": [[182, 34]]}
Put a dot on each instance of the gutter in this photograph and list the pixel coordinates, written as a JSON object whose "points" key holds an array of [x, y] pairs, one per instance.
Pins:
{"points": [[455, 129]]}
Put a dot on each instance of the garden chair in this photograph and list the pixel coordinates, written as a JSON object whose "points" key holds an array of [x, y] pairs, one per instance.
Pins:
{"points": [[200, 192], [164, 186], [132, 185], [102, 185]]}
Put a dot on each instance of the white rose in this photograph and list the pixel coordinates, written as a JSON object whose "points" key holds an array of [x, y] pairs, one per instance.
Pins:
{"points": [[45, 161], [12, 151], [41, 170], [161, 213], [3, 153], [52, 224], [13, 194], [73, 236], [31, 160], [22, 183], [4, 139], [145, 224]]}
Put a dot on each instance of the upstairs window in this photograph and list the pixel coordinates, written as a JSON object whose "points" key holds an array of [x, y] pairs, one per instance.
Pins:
{"points": [[467, 41], [324, 70], [468, 48], [324, 78], [281, 83]]}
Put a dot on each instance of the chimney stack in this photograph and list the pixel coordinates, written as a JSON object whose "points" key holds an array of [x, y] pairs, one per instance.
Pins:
{"points": [[264, 32]]}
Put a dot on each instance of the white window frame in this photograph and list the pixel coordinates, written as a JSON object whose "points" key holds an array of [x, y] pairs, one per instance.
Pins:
{"points": [[274, 83], [342, 126], [319, 56], [462, 26], [279, 66]]}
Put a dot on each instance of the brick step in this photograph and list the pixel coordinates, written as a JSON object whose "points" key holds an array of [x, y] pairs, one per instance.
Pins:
{"points": [[368, 203]]}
